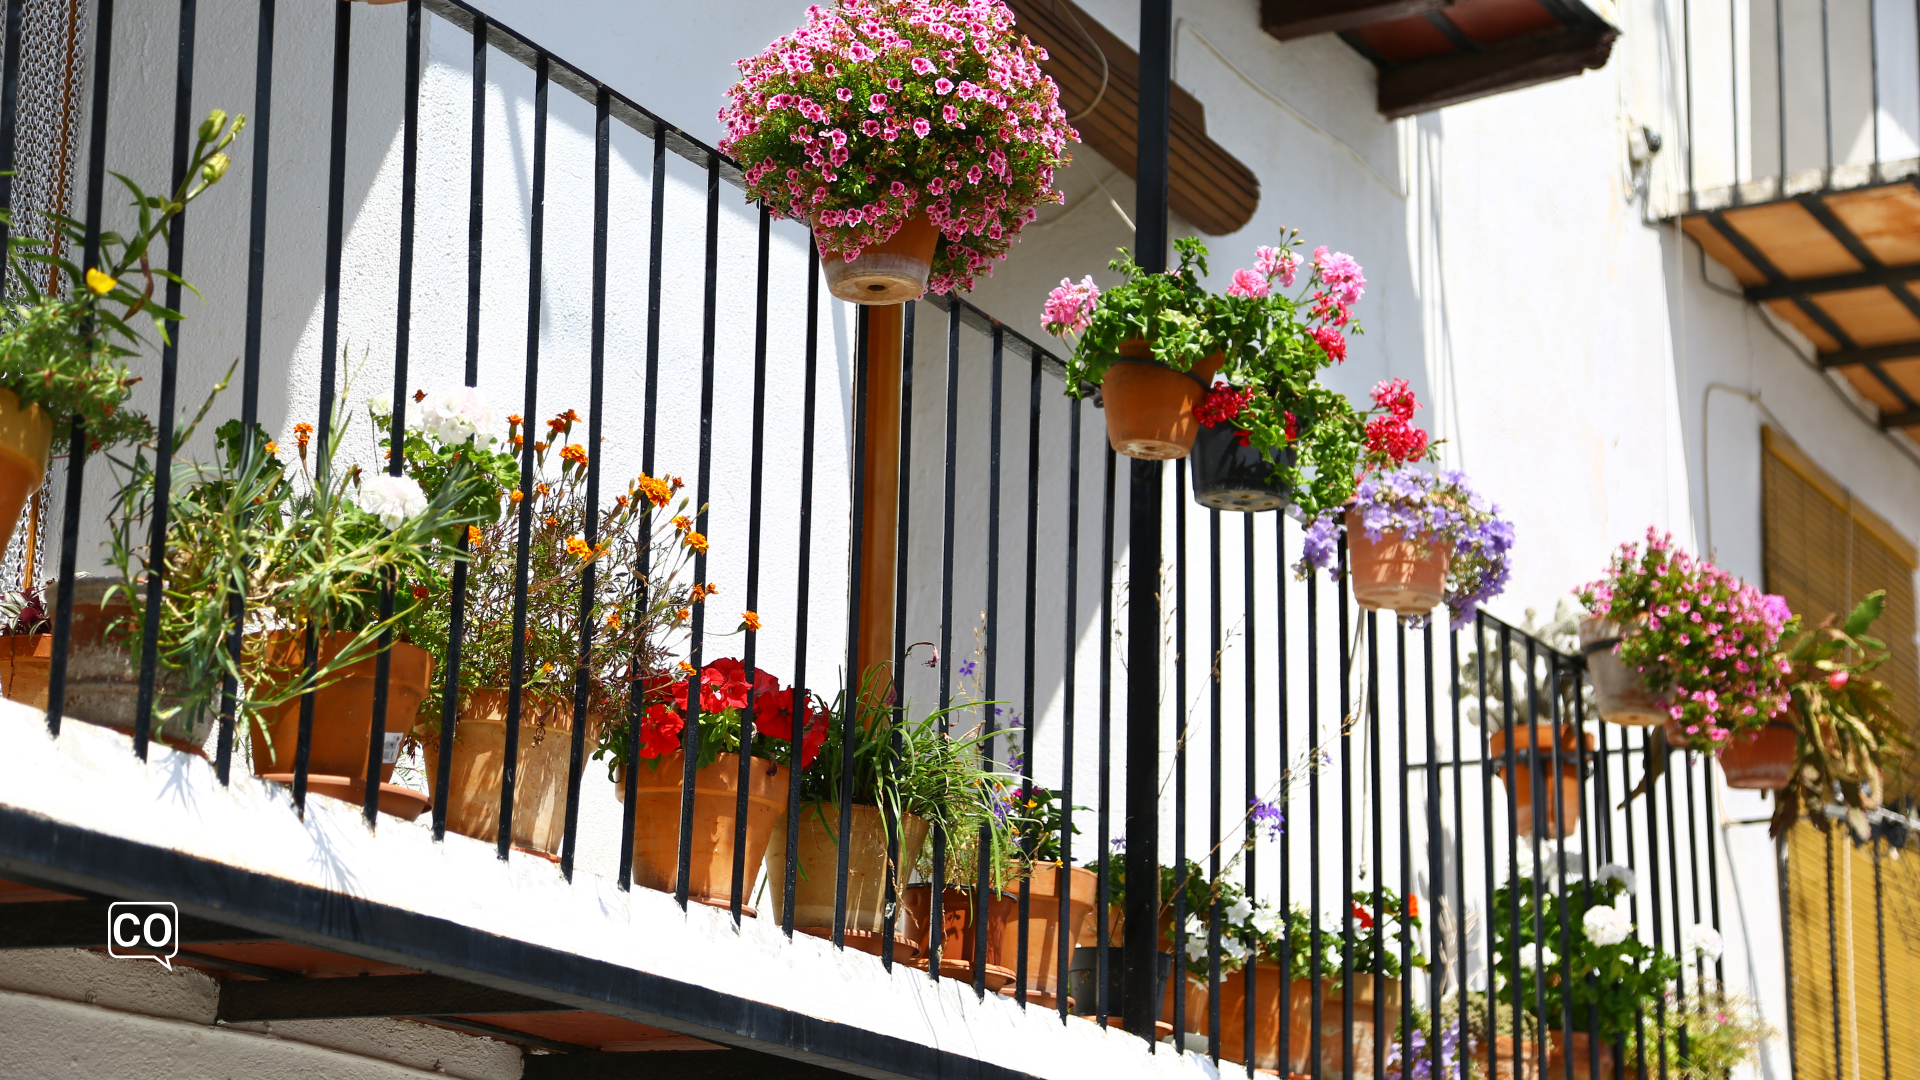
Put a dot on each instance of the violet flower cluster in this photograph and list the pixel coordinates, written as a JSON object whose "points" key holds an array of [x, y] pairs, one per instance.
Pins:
{"points": [[1437, 506], [875, 111], [1703, 639]]}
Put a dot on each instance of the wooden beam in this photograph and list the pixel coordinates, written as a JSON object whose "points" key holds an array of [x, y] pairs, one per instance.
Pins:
{"points": [[1528, 61], [373, 995], [1904, 350], [681, 1065], [1891, 421], [82, 924], [1889, 276], [1290, 19], [880, 497]]}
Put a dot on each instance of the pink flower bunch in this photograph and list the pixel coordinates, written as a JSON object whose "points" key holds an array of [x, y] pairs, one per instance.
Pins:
{"points": [[1705, 640], [1250, 283], [1272, 262], [1339, 285], [875, 111], [1392, 437], [1335, 287], [1069, 307]]}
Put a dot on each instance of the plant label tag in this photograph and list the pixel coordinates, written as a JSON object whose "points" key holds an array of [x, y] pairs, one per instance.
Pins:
{"points": [[391, 752]]}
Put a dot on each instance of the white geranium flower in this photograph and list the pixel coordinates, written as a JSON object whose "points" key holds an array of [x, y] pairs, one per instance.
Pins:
{"points": [[1239, 912], [392, 499], [1614, 871], [1523, 859], [380, 405], [1606, 925], [454, 416], [1537, 957], [1703, 940]]}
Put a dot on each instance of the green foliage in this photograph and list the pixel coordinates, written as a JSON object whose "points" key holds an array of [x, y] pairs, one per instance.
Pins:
{"points": [[65, 348], [1710, 1032], [1601, 987], [1172, 311]]}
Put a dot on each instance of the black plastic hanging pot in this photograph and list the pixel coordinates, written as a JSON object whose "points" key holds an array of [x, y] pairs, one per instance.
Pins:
{"points": [[1228, 476]]}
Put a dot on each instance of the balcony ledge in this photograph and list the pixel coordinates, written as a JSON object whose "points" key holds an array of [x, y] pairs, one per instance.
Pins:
{"points": [[81, 811]]}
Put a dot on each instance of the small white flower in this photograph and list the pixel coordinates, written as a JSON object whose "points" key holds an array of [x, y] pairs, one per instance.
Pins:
{"points": [[1703, 940], [1268, 921], [1231, 948], [1239, 912], [1606, 925], [1196, 944], [1523, 860], [1537, 957], [380, 405], [1614, 871], [454, 416], [392, 499]]}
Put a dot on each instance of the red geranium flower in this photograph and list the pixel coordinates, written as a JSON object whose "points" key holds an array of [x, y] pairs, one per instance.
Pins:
{"points": [[1364, 916], [660, 732]]}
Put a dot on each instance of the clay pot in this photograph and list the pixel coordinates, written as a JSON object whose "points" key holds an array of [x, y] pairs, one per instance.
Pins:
{"points": [[26, 437], [1229, 476], [1332, 1048], [1511, 1061], [1046, 882], [1399, 573], [103, 678], [1533, 754], [958, 931], [544, 761], [342, 709], [1267, 982], [893, 272], [1620, 695], [23, 667], [1579, 1049], [1149, 405], [819, 863], [656, 825], [1762, 760]]}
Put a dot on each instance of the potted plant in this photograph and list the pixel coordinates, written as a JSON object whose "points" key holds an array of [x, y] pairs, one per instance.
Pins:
{"points": [[917, 139], [1041, 817], [1270, 433], [1847, 737], [1415, 538], [1514, 1048], [988, 836], [26, 646], [1711, 1031], [1376, 970], [63, 355], [1695, 646], [632, 616]]}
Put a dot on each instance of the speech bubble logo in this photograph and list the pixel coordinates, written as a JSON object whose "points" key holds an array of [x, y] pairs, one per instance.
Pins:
{"points": [[144, 930]]}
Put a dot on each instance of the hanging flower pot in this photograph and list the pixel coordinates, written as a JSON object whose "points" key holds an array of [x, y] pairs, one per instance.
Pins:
{"points": [[1149, 406], [958, 931], [891, 272], [1046, 883], [1620, 695], [1549, 808], [342, 720], [24, 659], [1228, 474], [103, 674], [1401, 573], [1334, 1038], [26, 437], [1268, 981], [656, 824], [544, 757], [1762, 760], [818, 865]]}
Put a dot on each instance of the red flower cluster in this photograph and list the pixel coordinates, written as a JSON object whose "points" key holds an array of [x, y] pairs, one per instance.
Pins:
{"points": [[1222, 403], [1331, 342], [1394, 434], [725, 691], [1363, 917]]}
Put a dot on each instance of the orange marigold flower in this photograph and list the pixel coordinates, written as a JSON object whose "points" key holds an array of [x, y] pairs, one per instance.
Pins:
{"points": [[750, 620], [570, 416], [574, 453], [542, 489], [519, 441], [620, 501], [677, 482], [552, 522], [658, 492], [419, 592], [683, 614], [697, 541], [474, 537], [273, 448], [517, 495], [514, 420], [683, 523], [539, 448], [684, 667], [613, 619], [578, 548]]}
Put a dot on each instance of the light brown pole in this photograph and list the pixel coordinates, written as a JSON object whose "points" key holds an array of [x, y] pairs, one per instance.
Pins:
{"points": [[880, 499]]}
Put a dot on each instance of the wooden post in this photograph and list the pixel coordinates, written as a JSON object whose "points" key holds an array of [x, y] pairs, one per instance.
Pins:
{"points": [[880, 501]]}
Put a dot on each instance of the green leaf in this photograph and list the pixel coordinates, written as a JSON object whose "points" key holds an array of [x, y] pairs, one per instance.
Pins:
{"points": [[1865, 612]]}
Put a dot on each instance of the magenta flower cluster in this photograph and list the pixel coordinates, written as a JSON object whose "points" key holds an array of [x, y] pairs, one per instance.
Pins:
{"points": [[878, 110], [1703, 639]]}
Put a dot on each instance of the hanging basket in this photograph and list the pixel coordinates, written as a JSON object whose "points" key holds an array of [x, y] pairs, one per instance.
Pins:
{"points": [[1229, 476], [1762, 761], [1149, 405], [1620, 695], [892, 272], [1407, 575]]}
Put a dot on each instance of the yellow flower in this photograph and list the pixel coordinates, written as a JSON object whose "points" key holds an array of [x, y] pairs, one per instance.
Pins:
{"points": [[575, 453], [100, 283], [273, 448], [658, 492], [517, 495], [613, 619], [750, 619], [697, 541], [473, 536], [578, 548], [683, 523]]}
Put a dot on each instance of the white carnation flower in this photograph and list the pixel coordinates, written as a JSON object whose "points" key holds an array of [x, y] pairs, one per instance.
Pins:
{"points": [[392, 499], [1606, 925], [1614, 871], [1704, 940], [454, 416]]}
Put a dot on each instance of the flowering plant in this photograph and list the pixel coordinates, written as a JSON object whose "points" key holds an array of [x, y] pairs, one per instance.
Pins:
{"points": [[1701, 637], [1848, 736], [727, 693], [878, 110], [1172, 312], [1439, 507], [1710, 1031]]}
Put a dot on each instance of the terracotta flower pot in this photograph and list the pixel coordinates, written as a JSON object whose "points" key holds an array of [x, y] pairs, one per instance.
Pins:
{"points": [[1580, 1049], [1405, 575], [1511, 1061], [103, 677], [1149, 406], [1268, 979], [893, 272], [656, 825], [1620, 695], [1229, 476], [1332, 1048], [23, 667], [1046, 883], [958, 931], [26, 437], [819, 863], [1762, 760], [1556, 811], [544, 758], [342, 710]]}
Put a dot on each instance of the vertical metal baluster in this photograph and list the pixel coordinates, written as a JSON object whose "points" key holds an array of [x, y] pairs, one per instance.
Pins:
{"points": [[1880, 957], [849, 721], [1028, 641], [596, 423], [1214, 695], [952, 393], [903, 507], [183, 128], [1463, 1052], [708, 345], [1633, 898], [1593, 831], [1653, 865], [1486, 822], [801, 590], [476, 222], [10, 115], [1560, 830], [1069, 690], [992, 617], [1105, 712], [1437, 890], [1182, 728], [1251, 757], [1405, 1019], [1511, 755], [1284, 747], [1315, 947], [755, 487], [1833, 973], [1346, 820], [656, 228], [1376, 941], [523, 548], [397, 429], [1713, 863]]}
